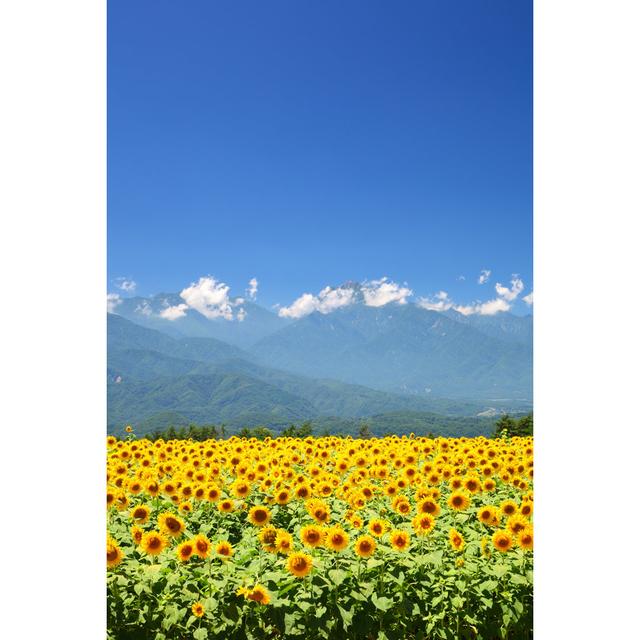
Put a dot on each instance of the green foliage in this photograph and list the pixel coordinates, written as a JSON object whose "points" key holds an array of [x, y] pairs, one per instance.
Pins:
{"points": [[507, 427]]}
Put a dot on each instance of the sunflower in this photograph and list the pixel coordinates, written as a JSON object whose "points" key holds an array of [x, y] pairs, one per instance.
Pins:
{"points": [[282, 496], [487, 514], [456, 540], [423, 524], [336, 539], [430, 506], [472, 484], [284, 541], [365, 546], [502, 540], [136, 534], [140, 514], [212, 493], [377, 527], [225, 506], [197, 609], [525, 538], [259, 516], [399, 540], [128, 428], [526, 509], [185, 507], [299, 564], [485, 549], [170, 524], [489, 485], [114, 554], [508, 507], [267, 536], [517, 523], [153, 543], [240, 489], [312, 535], [201, 546], [224, 549], [458, 501], [258, 594], [184, 550]]}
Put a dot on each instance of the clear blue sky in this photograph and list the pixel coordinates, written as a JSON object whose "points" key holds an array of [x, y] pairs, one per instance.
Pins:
{"points": [[310, 143]]}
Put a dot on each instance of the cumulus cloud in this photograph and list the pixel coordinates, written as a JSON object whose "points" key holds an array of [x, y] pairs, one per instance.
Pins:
{"points": [[377, 293], [113, 300], [174, 312], [503, 302], [326, 301], [513, 292], [528, 299], [209, 297], [485, 274], [252, 291], [126, 284], [440, 302], [241, 315]]}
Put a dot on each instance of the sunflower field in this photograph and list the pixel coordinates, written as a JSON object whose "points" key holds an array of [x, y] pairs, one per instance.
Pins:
{"points": [[376, 538]]}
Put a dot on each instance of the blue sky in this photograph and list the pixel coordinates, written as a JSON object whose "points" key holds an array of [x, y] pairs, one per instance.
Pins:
{"points": [[307, 144]]}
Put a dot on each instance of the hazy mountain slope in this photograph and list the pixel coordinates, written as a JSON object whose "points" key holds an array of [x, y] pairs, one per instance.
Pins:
{"points": [[258, 321], [401, 348], [125, 335], [203, 399]]}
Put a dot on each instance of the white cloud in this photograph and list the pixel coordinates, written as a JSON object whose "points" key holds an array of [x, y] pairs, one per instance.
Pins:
{"points": [[377, 293], [113, 300], [461, 278], [528, 299], [174, 312], [485, 274], [440, 302], [144, 309], [326, 301], [210, 298], [126, 284], [512, 293], [491, 307], [252, 291]]}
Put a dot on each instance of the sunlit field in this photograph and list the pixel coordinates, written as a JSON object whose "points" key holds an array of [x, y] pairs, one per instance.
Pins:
{"points": [[320, 538]]}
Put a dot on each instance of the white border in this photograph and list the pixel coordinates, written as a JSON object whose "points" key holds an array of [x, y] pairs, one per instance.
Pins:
{"points": [[53, 254], [586, 112]]}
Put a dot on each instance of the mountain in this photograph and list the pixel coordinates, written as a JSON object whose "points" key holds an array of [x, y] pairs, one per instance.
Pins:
{"points": [[123, 335], [504, 326], [157, 380], [258, 322], [204, 399], [404, 348]]}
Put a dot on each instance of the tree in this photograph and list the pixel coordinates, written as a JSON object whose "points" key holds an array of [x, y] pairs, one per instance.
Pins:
{"points": [[364, 431]]}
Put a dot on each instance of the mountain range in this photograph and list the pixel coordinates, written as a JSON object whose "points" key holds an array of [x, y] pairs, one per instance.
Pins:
{"points": [[356, 362]]}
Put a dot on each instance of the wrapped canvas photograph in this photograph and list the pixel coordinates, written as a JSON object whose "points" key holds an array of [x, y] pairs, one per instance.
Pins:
{"points": [[310, 403], [319, 320]]}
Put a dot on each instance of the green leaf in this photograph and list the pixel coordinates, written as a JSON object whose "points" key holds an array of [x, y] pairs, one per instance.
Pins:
{"points": [[500, 570], [346, 615], [383, 603], [337, 576], [200, 634], [457, 602], [518, 579]]}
